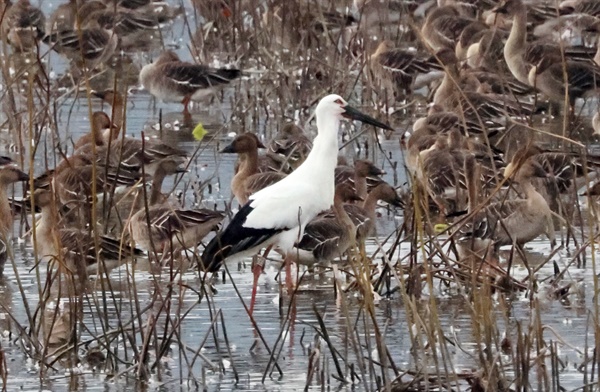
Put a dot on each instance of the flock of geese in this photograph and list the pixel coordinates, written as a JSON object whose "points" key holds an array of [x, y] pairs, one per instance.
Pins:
{"points": [[489, 66]]}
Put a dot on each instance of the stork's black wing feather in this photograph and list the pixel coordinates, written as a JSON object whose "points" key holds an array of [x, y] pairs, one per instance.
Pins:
{"points": [[234, 239]]}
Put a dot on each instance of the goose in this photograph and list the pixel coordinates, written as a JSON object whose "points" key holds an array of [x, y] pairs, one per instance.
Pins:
{"points": [[173, 80], [487, 52], [589, 7], [313, 27], [164, 228], [22, 24], [364, 217], [397, 69], [292, 143], [443, 27], [135, 29], [54, 241], [548, 76], [473, 104], [75, 176], [278, 214], [90, 46], [248, 180], [440, 121], [102, 129], [511, 222], [596, 123], [8, 176], [327, 237], [357, 176], [131, 152], [520, 55]]}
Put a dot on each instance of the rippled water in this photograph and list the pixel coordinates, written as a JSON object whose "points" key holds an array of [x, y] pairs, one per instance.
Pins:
{"points": [[240, 361]]}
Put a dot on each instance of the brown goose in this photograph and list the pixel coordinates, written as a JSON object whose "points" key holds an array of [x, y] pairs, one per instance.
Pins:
{"points": [[548, 76], [102, 129], [443, 27], [161, 227], [8, 176], [521, 55], [330, 235], [131, 152], [91, 46], [75, 247], [473, 104], [248, 180], [22, 24], [364, 217], [396, 69], [357, 176], [173, 80], [292, 143], [512, 222]]}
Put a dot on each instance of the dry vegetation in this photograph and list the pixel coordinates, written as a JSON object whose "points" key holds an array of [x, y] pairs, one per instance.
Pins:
{"points": [[291, 57]]}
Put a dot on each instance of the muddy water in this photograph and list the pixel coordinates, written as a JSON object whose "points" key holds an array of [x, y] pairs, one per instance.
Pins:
{"points": [[241, 361]]}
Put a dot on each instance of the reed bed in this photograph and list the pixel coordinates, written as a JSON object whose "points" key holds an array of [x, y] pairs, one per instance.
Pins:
{"points": [[402, 314]]}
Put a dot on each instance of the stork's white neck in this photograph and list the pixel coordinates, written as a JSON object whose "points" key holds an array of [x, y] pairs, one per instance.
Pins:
{"points": [[320, 163]]}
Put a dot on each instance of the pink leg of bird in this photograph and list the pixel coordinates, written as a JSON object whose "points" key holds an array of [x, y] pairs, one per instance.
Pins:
{"points": [[257, 269], [186, 104]]}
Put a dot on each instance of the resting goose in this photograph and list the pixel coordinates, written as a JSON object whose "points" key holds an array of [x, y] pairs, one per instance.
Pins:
{"points": [[89, 46], [397, 69], [548, 76]]}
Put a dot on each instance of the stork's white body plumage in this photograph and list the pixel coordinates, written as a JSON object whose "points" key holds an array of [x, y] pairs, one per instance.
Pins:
{"points": [[295, 200], [278, 214]]}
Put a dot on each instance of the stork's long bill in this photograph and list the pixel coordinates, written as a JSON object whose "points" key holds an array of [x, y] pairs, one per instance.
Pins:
{"points": [[354, 114]]}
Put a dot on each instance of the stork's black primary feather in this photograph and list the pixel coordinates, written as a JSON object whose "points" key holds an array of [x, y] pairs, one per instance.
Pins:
{"points": [[234, 239]]}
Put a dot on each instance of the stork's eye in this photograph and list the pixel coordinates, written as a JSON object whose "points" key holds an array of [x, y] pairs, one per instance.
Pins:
{"points": [[339, 101]]}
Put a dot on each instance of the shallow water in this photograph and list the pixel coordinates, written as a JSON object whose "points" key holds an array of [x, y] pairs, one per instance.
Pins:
{"points": [[244, 363]]}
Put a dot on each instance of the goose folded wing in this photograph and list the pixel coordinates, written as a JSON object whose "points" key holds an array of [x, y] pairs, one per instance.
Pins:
{"points": [[197, 76], [322, 238]]}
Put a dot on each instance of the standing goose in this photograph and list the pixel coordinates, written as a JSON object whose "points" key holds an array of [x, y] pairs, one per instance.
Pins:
{"points": [[278, 214], [364, 217], [512, 222], [170, 79], [247, 180], [102, 129], [162, 227], [327, 237], [521, 55]]}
